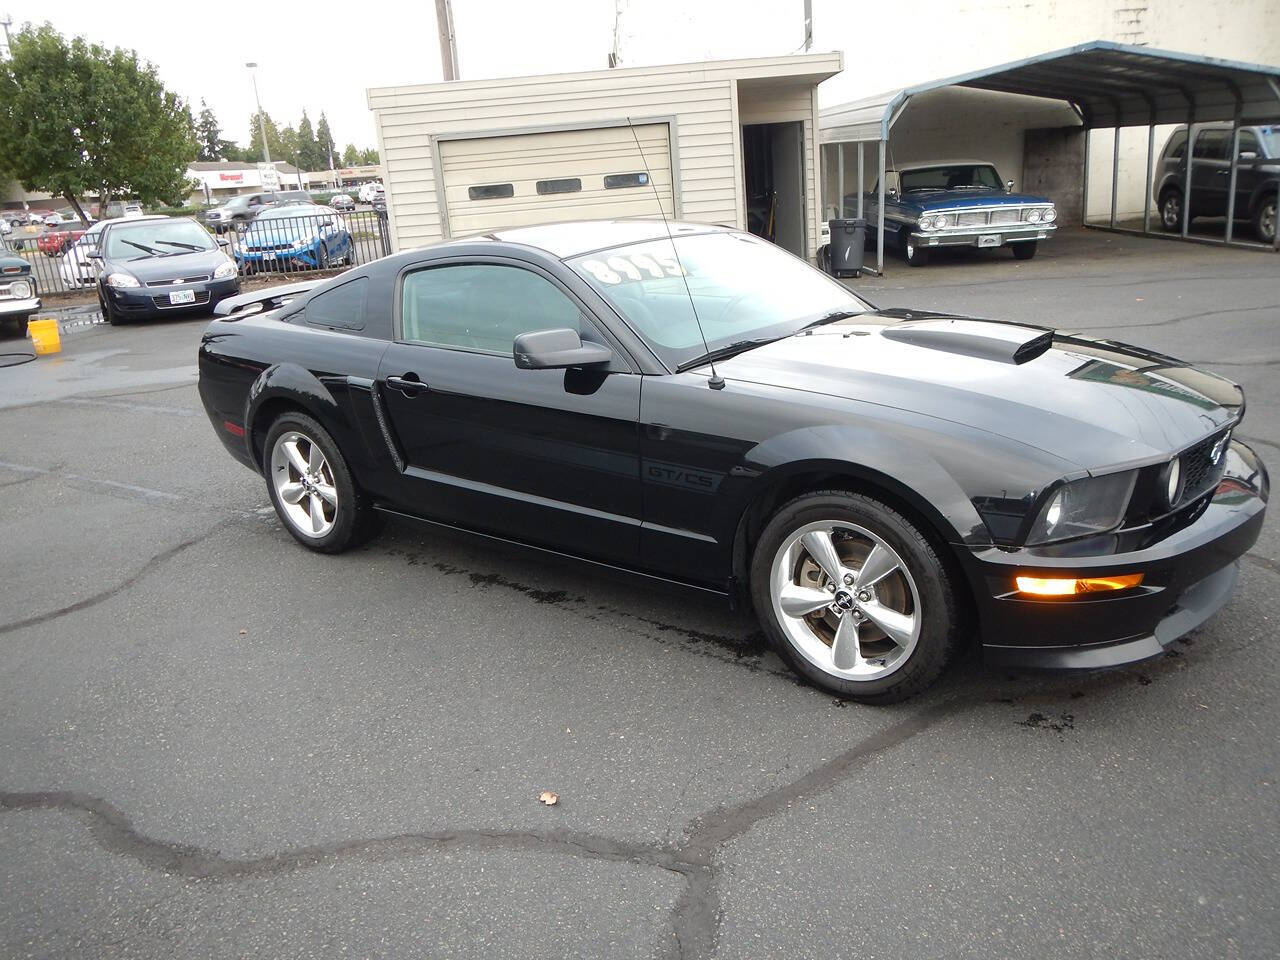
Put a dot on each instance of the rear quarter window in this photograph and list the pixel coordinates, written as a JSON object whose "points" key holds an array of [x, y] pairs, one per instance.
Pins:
{"points": [[341, 308]]}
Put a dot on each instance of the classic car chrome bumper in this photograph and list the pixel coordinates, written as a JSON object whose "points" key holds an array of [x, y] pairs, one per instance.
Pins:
{"points": [[30, 305], [975, 236]]}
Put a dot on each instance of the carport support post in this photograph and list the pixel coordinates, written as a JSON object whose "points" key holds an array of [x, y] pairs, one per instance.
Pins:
{"points": [[1186, 183], [1115, 172], [840, 179], [861, 181], [880, 212], [1231, 181], [1146, 198], [1084, 188]]}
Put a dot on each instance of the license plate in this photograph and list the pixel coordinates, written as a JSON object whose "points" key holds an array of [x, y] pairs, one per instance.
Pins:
{"points": [[182, 296], [988, 239]]}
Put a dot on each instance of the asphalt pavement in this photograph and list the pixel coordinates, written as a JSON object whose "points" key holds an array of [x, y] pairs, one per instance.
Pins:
{"points": [[214, 743]]}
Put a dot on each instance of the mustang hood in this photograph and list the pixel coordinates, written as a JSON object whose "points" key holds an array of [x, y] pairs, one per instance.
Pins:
{"points": [[1097, 403]]}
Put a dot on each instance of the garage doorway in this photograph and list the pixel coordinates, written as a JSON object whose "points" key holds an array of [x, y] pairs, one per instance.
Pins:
{"points": [[773, 168]]}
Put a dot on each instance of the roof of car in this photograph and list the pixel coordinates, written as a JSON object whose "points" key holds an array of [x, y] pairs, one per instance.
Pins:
{"points": [[571, 238], [902, 168]]}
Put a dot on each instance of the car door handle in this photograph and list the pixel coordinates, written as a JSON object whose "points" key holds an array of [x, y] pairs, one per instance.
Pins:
{"points": [[410, 385]]}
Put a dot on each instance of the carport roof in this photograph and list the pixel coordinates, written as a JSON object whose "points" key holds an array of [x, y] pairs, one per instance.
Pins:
{"points": [[1111, 84]]}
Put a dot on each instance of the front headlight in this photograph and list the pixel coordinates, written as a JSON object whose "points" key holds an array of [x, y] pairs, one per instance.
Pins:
{"points": [[1082, 507], [224, 270], [1033, 216], [122, 280], [20, 290], [1050, 215]]}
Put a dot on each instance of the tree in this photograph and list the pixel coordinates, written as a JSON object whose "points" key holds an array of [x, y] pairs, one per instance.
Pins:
{"points": [[256, 123], [308, 147], [328, 155], [209, 136], [76, 117], [370, 157], [351, 156]]}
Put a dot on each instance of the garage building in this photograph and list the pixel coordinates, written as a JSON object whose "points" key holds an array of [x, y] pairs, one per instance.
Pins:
{"points": [[731, 142]]}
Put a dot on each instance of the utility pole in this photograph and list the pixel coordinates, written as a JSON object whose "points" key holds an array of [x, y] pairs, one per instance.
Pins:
{"points": [[448, 44], [808, 25], [262, 125], [7, 22]]}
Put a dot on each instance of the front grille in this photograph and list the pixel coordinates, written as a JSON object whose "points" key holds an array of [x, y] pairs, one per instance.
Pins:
{"points": [[162, 301], [165, 283], [977, 219], [1008, 215], [1200, 472]]}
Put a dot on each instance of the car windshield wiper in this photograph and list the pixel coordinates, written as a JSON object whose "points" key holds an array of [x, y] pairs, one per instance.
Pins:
{"points": [[184, 246], [730, 350], [149, 251], [832, 317]]}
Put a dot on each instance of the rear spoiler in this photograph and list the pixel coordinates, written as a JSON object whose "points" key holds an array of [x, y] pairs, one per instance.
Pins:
{"points": [[271, 298]]}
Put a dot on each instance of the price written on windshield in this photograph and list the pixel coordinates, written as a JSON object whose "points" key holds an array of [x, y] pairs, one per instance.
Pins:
{"points": [[633, 267]]}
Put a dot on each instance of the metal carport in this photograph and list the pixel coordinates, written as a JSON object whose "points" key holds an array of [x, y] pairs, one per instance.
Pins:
{"points": [[1109, 85]]}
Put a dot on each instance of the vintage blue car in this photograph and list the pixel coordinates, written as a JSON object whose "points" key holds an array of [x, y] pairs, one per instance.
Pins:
{"points": [[294, 237], [18, 299], [957, 203]]}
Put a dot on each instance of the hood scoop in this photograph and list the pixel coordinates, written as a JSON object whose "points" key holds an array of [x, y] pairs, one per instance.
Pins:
{"points": [[984, 339]]}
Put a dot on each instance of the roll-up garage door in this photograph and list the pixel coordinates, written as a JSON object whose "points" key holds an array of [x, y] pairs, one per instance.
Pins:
{"points": [[523, 179]]}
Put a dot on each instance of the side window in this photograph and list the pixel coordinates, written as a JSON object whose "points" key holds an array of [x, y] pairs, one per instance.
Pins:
{"points": [[1211, 145], [1179, 147], [482, 306], [341, 308], [1249, 143]]}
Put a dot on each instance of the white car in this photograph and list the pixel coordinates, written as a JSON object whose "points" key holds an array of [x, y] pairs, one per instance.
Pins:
{"points": [[76, 268], [370, 192], [6, 227]]}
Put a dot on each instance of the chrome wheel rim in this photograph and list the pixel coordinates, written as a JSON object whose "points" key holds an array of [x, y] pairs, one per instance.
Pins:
{"points": [[1172, 212], [846, 600], [1267, 222], [304, 486]]}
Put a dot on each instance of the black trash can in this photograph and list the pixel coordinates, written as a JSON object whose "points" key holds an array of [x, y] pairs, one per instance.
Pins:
{"points": [[848, 241]]}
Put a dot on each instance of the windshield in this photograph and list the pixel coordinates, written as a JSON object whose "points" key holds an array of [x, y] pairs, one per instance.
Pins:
{"points": [[744, 288], [150, 238], [959, 176]]}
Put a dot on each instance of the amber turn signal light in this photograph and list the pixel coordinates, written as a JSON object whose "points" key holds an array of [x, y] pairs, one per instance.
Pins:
{"points": [[1042, 587]]}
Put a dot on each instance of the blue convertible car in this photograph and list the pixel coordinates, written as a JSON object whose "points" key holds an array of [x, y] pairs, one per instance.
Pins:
{"points": [[295, 237], [959, 203]]}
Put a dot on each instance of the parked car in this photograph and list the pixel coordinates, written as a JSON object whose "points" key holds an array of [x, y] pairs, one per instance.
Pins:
{"points": [[872, 481], [123, 210], [19, 297], [78, 268], [240, 210], [957, 203], [292, 237], [52, 219], [369, 192], [6, 227], [156, 266], [342, 201], [1257, 176], [52, 243]]}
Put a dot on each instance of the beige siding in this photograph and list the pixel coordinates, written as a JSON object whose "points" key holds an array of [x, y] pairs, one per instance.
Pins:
{"points": [[699, 98]]}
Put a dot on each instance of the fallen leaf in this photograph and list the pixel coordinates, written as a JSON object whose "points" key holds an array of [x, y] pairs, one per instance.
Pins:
{"points": [[244, 633], [549, 798]]}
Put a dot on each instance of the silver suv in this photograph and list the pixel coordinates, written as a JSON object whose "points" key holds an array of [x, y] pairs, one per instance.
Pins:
{"points": [[241, 209]]}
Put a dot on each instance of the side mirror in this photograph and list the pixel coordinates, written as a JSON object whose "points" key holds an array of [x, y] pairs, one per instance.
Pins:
{"points": [[94, 254], [557, 350], [1008, 186], [327, 222], [224, 241]]}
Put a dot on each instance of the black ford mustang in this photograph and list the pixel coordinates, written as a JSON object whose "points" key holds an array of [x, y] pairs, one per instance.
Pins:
{"points": [[710, 410]]}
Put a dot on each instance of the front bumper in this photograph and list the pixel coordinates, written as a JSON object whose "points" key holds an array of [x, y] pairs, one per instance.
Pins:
{"points": [[966, 237], [154, 301], [20, 308], [1188, 576]]}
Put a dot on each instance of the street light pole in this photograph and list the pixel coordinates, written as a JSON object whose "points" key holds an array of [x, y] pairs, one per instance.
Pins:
{"points": [[262, 126]]}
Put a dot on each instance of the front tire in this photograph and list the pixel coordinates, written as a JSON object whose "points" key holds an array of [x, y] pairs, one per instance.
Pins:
{"points": [[854, 597], [915, 255], [312, 488], [1171, 210], [108, 312], [1024, 250], [1264, 220]]}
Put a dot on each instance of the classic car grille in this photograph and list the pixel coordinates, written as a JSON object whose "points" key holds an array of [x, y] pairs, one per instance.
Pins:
{"points": [[976, 219], [1200, 472], [165, 283], [1009, 215], [162, 301]]}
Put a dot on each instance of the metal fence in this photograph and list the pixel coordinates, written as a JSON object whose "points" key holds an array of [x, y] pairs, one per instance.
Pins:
{"points": [[284, 240]]}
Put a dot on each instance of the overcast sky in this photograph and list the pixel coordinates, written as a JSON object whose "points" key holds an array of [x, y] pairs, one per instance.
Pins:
{"points": [[326, 61]]}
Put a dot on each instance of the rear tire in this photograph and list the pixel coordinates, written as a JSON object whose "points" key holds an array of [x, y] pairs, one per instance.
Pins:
{"points": [[312, 488], [829, 629], [1024, 250]]}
